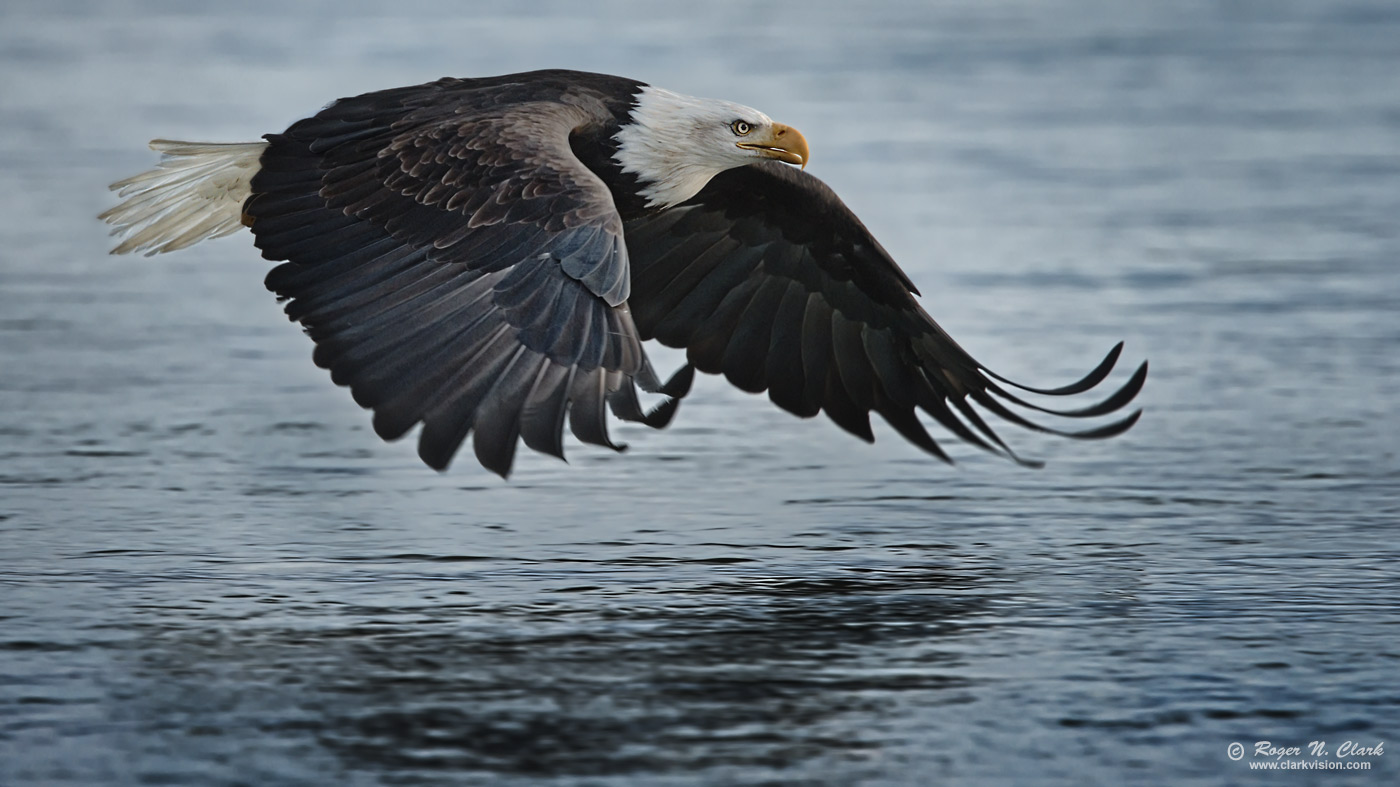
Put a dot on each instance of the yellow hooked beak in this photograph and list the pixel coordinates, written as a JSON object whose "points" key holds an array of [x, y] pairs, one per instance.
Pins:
{"points": [[783, 143]]}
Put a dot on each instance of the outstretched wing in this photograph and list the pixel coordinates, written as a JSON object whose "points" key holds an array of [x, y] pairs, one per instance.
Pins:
{"points": [[766, 277], [456, 265]]}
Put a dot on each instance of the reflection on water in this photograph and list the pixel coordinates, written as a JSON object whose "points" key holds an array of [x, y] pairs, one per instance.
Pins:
{"points": [[639, 689], [598, 682], [214, 573]]}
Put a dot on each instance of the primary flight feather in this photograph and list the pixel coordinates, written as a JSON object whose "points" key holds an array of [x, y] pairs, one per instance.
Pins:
{"points": [[485, 257]]}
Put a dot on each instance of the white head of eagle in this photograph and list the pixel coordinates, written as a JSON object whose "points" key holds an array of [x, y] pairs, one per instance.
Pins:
{"points": [[675, 143]]}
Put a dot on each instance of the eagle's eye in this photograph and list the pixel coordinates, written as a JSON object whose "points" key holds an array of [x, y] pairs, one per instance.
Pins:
{"points": [[741, 128]]}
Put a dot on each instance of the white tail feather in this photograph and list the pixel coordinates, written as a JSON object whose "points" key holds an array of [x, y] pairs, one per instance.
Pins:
{"points": [[196, 192]]}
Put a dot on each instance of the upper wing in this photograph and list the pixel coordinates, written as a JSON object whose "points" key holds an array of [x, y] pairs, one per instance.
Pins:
{"points": [[455, 265], [766, 277]]}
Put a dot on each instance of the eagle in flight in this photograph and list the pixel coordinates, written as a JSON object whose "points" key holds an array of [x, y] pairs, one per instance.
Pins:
{"points": [[486, 257]]}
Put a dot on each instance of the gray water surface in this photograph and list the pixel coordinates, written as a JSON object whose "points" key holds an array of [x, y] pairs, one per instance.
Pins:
{"points": [[213, 573]]}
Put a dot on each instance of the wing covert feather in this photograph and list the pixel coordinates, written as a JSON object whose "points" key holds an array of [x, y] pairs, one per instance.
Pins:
{"points": [[455, 263]]}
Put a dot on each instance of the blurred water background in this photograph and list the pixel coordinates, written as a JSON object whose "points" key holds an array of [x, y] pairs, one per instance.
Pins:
{"points": [[213, 573]]}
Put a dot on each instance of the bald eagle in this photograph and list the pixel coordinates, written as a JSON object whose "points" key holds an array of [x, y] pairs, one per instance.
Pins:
{"points": [[486, 257]]}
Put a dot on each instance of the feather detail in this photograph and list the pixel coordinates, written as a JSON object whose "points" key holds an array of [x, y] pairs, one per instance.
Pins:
{"points": [[196, 192]]}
